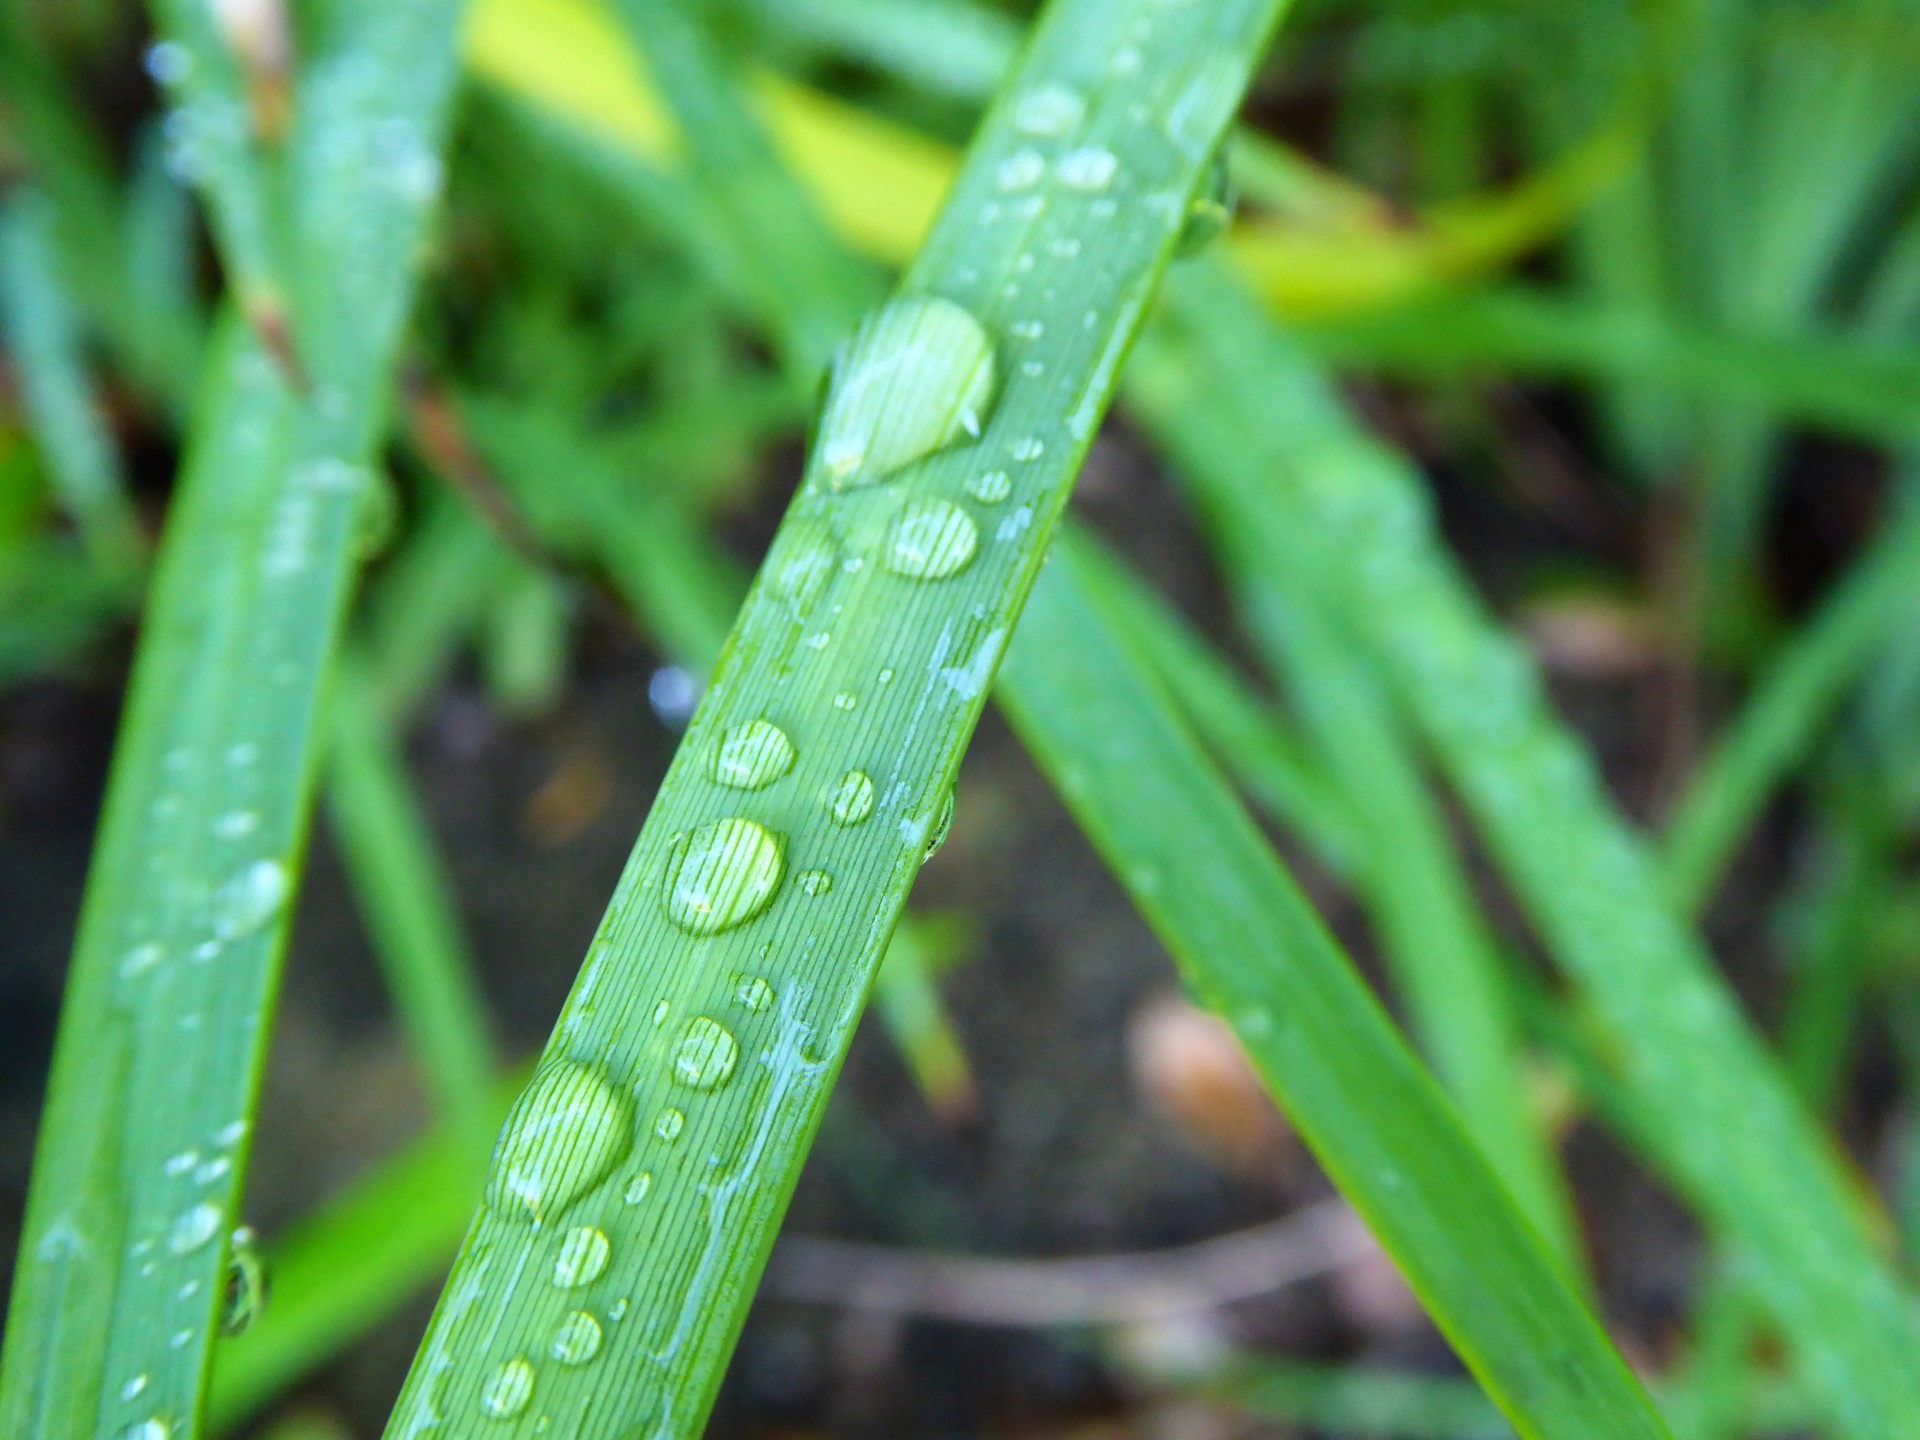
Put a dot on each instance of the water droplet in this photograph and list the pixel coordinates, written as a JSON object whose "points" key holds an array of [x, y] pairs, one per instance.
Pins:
{"points": [[816, 882], [668, 1124], [1028, 447], [755, 993], [152, 1428], [802, 565], [1021, 170], [193, 1228], [508, 1389], [942, 824], [249, 899], [846, 700], [245, 1293], [133, 1388], [618, 1310], [1211, 209], [1090, 168], [141, 958], [1126, 60], [638, 1187], [852, 799], [722, 874], [931, 540], [236, 823], [1051, 110], [752, 756], [990, 488], [661, 1011], [567, 1129], [576, 1339], [917, 376], [582, 1257], [706, 1054]]}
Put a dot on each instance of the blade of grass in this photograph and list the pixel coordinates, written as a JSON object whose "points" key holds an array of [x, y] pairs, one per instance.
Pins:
{"points": [[144, 1139], [1247, 941], [1735, 1139]]}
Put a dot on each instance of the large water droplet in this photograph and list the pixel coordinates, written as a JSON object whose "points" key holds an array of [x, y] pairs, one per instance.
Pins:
{"points": [[706, 1054], [852, 799], [508, 1389], [193, 1228], [576, 1339], [582, 1257], [942, 824], [752, 756], [1211, 209], [567, 1129], [245, 1295], [722, 874], [250, 898], [931, 540], [917, 376], [755, 993], [1050, 110]]}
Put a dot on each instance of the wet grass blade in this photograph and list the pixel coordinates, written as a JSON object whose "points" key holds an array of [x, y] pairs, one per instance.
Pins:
{"points": [[1198, 869], [1733, 1135], [144, 1139]]}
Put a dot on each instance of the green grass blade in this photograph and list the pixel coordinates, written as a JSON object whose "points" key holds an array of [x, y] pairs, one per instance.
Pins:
{"points": [[912, 659], [1248, 942], [144, 1139], [1735, 1138]]}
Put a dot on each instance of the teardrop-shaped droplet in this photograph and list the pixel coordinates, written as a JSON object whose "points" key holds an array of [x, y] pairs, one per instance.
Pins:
{"points": [[193, 1227], [1211, 209], [852, 799], [722, 874], [638, 1187], [508, 1389], [246, 1286], [706, 1054], [249, 898], [917, 376], [582, 1256], [816, 882], [942, 824], [752, 756], [931, 540], [565, 1132], [576, 1339]]}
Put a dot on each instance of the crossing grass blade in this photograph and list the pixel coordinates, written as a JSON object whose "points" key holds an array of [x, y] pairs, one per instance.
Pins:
{"points": [[143, 1142], [1733, 1136], [700, 1041], [1199, 871]]}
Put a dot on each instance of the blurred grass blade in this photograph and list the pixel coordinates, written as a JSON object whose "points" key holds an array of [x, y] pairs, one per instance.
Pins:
{"points": [[143, 1141], [1248, 942], [1238, 405], [693, 1059]]}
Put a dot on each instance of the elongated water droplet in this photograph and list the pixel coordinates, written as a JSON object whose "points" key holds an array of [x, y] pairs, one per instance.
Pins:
{"points": [[249, 899], [931, 540], [567, 1129], [917, 376], [576, 1339], [1050, 110], [669, 1123], [245, 1295], [193, 1228], [755, 993], [508, 1389], [816, 882], [1021, 170], [852, 799], [582, 1257], [638, 1187], [942, 824], [752, 756], [722, 874], [1211, 209], [706, 1054], [802, 566], [990, 488]]}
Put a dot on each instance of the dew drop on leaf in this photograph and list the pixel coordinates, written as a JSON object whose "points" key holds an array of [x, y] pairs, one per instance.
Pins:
{"points": [[638, 1187], [576, 1339], [990, 488], [942, 824], [931, 540], [722, 874], [706, 1054], [816, 882], [193, 1228], [249, 898], [755, 993], [1049, 110], [669, 1123], [566, 1131], [752, 756], [508, 1389], [582, 1257]]}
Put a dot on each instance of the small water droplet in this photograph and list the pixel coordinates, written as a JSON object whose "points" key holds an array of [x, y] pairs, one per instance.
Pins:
{"points": [[567, 1129], [932, 539], [140, 959], [722, 874], [846, 700], [1028, 447], [1090, 168], [236, 823], [661, 1011], [990, 488], [752, 756], [249, 899], [816, 882], [638, 1187], [852, 799], [582, 1257], [1021, 170], [917, 376], [245, 1292], [576, 1339], [193, 1228], [668, 1124], [942, 824], [755, 993], [1126, 60], [508, 1389], [133, 1388], [1051, 110], [706, 1054], [618, 1310], [152, 1428], [1211, 209]]}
